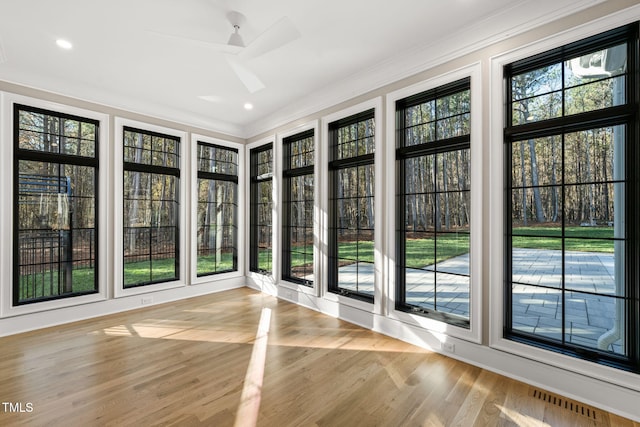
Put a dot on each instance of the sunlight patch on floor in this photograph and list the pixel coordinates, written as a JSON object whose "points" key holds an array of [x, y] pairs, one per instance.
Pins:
{"points": [[247, 414]]}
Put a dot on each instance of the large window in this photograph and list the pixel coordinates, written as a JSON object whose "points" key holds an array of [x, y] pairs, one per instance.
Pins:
{"points": [[261, 191], [217, 209], [297, 224], [433, 203], [151, 207], [351, 206], [571, 205], [55, 247]]}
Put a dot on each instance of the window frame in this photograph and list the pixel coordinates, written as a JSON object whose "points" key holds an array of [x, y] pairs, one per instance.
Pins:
{"points": [[335, 165], [194, 174], [7, 102], [289, 173], [496, 197], [566, 124], [118, 171], [474, 332], [378, 304], [405, 153], [61, 160], [165, 171], [254, 181], [286, 288]]}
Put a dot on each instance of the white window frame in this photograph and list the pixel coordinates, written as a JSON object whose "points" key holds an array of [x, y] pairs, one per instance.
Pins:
{"points": [[118, 171], [285, 287], [264, 282], [441, 329], [380, 286], [195, 280], [6, 215], [496, 205]]}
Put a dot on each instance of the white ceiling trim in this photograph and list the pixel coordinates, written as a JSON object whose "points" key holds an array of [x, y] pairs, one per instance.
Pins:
{"points": [[177, 117], [412, 62]]}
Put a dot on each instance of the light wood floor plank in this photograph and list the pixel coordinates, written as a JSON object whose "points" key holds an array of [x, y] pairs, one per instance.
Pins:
{"points": [[185, 363]]}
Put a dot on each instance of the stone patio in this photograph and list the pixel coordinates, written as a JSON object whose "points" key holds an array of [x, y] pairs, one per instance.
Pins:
{"points": [[535, 309]]}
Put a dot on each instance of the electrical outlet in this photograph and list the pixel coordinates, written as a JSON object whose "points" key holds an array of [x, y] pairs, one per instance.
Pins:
{"points": [[448, 346], [147, 300]]}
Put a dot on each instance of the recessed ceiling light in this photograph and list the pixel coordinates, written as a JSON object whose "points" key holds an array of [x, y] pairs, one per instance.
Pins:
{"points": [[64, 44], [248, 106]]}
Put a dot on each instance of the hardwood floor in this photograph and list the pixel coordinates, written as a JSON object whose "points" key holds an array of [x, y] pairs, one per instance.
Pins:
{"points": [[204, 360]]}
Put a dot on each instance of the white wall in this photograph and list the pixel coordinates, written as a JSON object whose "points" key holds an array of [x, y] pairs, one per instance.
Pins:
{"points": [[608, 388], [111, 296]]}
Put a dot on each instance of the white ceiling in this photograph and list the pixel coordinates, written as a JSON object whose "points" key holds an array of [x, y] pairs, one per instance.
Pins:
{"points": [[346, 48]]}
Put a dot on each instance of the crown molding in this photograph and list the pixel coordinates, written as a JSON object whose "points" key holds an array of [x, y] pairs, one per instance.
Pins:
{"points": [[130, 106], [419, 59]]}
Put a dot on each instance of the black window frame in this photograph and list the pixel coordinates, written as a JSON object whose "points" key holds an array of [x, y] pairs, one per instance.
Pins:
{"points": [[157, 170], [19, 155], [338, 163], [256, 178], [626, 114], [407, 152], [223, 177], [289, 172]]}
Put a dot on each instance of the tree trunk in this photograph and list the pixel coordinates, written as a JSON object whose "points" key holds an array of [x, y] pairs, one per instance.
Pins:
{"points": [[554, 190], [445, 188], [207, 235], [133, 213], [369, 193], [534, 182], [607, 216], [219, 221], [524, 185], [591, 211]]}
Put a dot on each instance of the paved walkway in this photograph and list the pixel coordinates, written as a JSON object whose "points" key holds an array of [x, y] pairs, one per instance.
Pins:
{"points": [[535, 309]]}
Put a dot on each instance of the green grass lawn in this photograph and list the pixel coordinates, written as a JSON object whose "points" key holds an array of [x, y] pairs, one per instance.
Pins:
{"points": [[420, 253], [584, 239], [207, 264], [147, 271], [47, 284], [264, 260], [423, 252]]}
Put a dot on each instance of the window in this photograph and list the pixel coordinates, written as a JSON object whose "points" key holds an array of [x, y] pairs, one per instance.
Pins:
{"points": [[261, 170], [571, 145], [297, 224], [433, 207], [351, 206], [217, 209], [55, 248], [151, 207]]}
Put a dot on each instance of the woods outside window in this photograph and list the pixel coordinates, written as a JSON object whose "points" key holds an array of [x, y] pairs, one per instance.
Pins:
{"points": [[297, 221], [55, 248], [151, 207], [261, 196], [571, 201], [351, 206], [433, 133], [217, 214]]}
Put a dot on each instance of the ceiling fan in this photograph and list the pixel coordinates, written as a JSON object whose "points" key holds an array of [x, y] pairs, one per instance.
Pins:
{"points": [[237, 53]]}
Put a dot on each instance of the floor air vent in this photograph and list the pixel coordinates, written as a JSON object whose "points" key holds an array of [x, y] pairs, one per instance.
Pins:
{"points": [[562, 402]]}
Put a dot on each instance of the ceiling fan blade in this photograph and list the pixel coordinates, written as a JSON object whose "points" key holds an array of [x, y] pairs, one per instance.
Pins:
{"points": [[220, 47], [247, 77], [279, 34]]}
